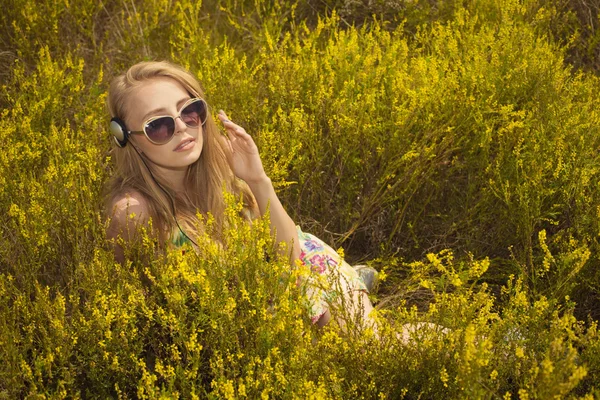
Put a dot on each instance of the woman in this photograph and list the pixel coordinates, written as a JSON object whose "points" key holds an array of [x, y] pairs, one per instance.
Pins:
{"points": [[171, 162]]}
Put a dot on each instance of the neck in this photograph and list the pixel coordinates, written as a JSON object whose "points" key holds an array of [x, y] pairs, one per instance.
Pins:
{"points": [[174, 177]]}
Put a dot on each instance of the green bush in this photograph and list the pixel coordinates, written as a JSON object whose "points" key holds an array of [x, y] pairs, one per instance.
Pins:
{"points": [[448, 143], [225, 324]]}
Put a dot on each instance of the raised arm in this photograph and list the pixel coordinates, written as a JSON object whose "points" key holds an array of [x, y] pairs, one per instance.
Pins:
{"points": [[246, 164]]}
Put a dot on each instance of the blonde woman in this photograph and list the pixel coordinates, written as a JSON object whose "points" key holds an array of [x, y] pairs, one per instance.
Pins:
{"points": [[171, 161]]}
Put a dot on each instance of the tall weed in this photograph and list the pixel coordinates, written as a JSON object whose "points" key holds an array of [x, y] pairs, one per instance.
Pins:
{"points": [[450, 144]]}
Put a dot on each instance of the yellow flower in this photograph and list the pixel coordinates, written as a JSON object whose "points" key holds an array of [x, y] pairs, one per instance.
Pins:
{"points": [[519, 352]]}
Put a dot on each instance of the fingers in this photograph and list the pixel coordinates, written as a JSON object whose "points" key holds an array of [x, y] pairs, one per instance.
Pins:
{"points": [[238, 131]]}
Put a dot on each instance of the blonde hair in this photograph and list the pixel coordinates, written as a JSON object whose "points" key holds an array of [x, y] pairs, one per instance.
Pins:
{"points": [[205, 178]]}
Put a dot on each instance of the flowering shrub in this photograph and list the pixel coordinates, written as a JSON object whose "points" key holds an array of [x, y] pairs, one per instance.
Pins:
{"points": [[450, 145]]}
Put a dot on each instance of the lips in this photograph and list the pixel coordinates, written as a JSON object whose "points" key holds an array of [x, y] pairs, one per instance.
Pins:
{"points": [[184, 143]]}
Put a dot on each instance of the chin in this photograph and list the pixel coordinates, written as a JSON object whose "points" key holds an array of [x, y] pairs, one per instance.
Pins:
{"points": [[190, 157]]}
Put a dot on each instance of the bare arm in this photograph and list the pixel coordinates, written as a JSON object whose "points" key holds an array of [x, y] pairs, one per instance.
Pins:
{"points": [[128, 212], [246, 164], [280, 220]]}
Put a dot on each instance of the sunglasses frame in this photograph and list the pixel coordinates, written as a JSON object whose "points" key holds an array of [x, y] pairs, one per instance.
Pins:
{"points": [[187, 103]]}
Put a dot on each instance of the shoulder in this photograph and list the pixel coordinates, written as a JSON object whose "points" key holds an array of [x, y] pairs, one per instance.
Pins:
{"points": [[130, 200], [128, 203], [126, 211]]}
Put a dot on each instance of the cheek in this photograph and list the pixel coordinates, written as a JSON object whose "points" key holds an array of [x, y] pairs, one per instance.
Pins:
{"points": [[141, 145], [165, 155], [156, 154]]}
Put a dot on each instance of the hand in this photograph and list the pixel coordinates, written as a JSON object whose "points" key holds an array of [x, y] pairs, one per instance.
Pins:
{"points": [[242, 156]]}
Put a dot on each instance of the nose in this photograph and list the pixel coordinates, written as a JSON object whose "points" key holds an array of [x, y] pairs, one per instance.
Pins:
{"points": [[180, 126]]}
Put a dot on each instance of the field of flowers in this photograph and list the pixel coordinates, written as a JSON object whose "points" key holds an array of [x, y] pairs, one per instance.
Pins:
{"points": [[454, 145]]}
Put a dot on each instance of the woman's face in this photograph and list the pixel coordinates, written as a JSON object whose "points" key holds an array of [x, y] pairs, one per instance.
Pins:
{"points": [[159, 97]]}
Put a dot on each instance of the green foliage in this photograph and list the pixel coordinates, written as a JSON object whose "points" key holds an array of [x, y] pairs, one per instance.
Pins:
{"points": [[450, 143], [228, 323]]}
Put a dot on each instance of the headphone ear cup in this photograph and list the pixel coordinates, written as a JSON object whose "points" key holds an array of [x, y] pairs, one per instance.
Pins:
{"points": [[119, 131]]}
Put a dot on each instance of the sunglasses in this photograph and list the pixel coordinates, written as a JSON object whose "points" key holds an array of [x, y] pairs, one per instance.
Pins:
{"points": [[161, 129]]}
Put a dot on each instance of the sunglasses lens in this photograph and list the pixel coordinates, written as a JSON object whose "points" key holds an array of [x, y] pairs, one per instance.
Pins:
{"points": [[194, 114], [160, 130]]}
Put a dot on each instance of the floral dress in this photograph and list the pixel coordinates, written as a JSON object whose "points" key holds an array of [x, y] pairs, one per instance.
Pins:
{"points": [[329, 275]]}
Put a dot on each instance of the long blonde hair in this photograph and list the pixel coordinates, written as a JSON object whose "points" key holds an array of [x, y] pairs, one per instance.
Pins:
{"points": [[205, 179]]}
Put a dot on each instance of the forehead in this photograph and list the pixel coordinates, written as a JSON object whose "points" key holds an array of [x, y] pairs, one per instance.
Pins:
{"points": [[153, 94]]}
